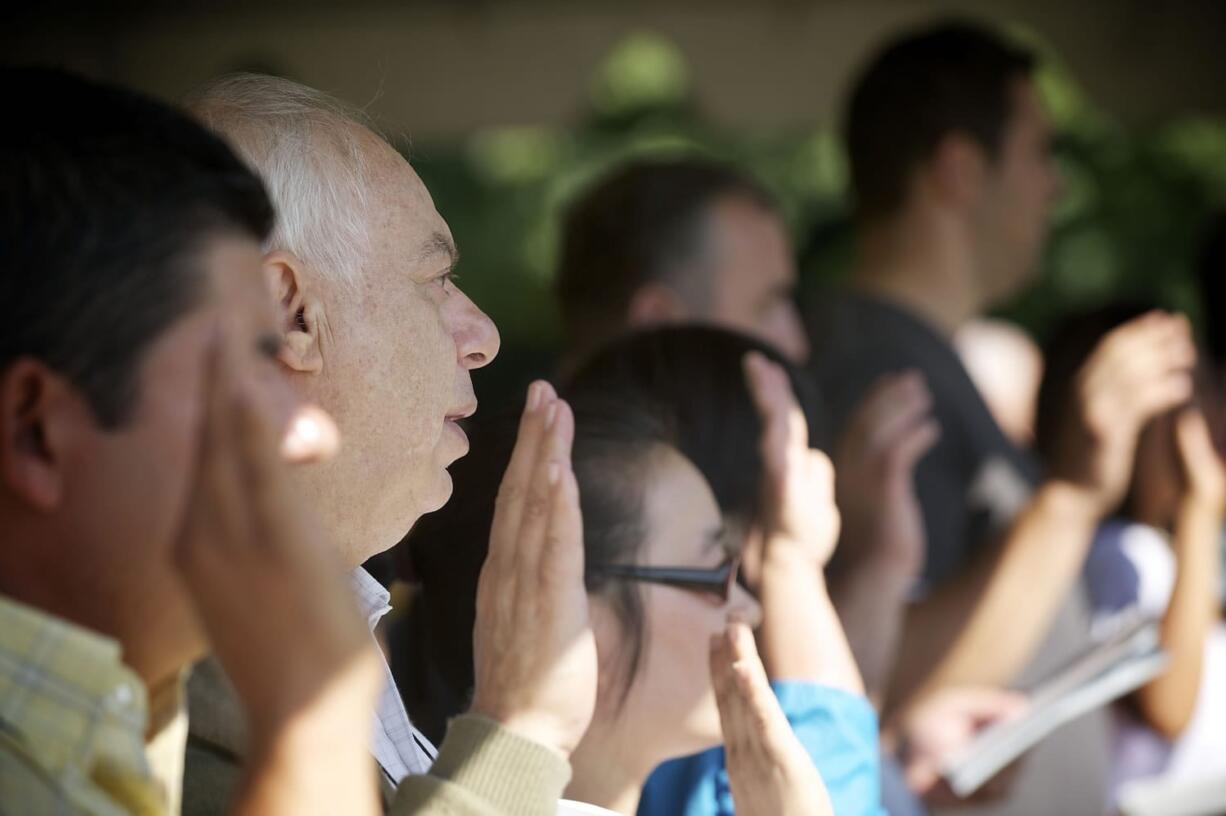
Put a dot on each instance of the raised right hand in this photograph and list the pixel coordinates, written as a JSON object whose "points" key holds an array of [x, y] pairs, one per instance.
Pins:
{"points": [[534, 652], [800, 519], [1138, 371], [768, 769], [887, 435], [271, 595]]}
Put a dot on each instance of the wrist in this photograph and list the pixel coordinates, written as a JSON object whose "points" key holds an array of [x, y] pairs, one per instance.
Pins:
{"points": [[1200, 505], [784, 552], [789, 563], [1074, 502], [543, 730]]}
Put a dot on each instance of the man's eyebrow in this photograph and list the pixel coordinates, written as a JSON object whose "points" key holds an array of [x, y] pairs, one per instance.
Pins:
{"points": [[439, 244]]}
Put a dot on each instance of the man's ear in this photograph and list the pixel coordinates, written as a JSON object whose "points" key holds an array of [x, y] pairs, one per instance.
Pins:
{"points": [[300, 312], [958, 170], [653, 304], [40, 413]]}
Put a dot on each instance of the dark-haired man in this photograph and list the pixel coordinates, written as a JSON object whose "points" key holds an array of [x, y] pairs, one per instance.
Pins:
{"points": [[676, 240], [953, 182], [140, 413]]}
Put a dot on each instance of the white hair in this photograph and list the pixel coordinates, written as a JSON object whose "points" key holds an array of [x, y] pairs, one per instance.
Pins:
{"points": [[304, 144]]}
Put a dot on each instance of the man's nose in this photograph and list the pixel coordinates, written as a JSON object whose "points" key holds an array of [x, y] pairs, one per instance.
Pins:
{"points": [[477, 339]]}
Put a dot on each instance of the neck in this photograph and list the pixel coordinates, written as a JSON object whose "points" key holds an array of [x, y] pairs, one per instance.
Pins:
{"points": [[922, 262], [608, 773]]}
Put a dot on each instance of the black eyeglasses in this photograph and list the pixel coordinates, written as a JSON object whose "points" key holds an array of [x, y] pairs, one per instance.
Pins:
{"points": [[714, 581]]}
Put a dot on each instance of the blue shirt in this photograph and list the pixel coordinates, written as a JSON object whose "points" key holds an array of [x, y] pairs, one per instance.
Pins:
{"points": [[837, 728]]}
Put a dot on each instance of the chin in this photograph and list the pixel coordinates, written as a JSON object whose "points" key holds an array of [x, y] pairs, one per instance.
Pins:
{"points": [[439, 493]]}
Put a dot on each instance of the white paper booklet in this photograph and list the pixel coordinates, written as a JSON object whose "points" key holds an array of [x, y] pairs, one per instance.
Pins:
{"points": [[1103, 673]]}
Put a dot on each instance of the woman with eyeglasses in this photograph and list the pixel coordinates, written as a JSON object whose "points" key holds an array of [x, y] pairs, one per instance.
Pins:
{"points": [[662, 566]]}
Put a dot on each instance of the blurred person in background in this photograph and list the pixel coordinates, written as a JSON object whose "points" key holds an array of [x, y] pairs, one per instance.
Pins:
{"points": [[675, 240], [689, 240], [953, 182], [1156, 556]]}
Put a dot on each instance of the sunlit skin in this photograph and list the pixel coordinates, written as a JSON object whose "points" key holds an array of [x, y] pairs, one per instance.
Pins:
{"points": [[389, 359], [669, 709], [94, 543]]}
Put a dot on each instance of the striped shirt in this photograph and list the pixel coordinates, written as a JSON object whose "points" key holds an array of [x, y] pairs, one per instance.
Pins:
{"points": [[398, 747], [73, 720]]}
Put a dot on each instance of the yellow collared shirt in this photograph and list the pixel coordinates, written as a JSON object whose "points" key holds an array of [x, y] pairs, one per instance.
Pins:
{"points": [[73, 723]]}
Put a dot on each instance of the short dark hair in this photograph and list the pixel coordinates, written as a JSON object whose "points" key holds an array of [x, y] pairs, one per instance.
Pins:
{"points": [[107, 199], [643, 222], [956, 76]]}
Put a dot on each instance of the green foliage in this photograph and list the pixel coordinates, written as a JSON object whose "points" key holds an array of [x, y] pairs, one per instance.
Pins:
{"points": [[1130, 222]]}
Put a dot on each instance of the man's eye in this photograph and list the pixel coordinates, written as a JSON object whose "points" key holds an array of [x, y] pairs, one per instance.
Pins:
{"points": [[447, 278]]}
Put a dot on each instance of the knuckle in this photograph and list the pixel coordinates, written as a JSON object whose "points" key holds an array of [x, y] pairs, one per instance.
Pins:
{"points": [[509, 493], [536, 506]]}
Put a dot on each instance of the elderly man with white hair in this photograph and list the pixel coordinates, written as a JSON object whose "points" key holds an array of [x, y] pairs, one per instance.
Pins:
{"points": [[375, 330]]}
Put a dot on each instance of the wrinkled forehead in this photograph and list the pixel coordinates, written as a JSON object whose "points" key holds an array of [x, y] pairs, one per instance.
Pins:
{"points": [[400, 207]]}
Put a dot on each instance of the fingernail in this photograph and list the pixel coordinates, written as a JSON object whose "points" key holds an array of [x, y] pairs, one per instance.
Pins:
{"points": [[534, 396], [553, 473], [551, 413]]}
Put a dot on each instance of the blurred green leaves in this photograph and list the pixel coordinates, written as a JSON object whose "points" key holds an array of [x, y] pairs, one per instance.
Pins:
{"points": [[1129, 224]]}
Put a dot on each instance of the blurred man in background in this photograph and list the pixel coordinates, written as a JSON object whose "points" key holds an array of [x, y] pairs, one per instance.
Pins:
{"points": [[676, 240], [953, 183]]}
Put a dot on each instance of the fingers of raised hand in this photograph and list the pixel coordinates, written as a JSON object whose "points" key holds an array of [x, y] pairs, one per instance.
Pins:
{"points": [[1193, 438], [236, 452], [1142, 350], [513, 493], [762, 712], [910, 447], [782, 419], [892, 428]]}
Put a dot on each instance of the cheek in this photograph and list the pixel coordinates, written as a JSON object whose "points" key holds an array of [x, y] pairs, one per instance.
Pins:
{"points": [[391, 384], [674, 682]]}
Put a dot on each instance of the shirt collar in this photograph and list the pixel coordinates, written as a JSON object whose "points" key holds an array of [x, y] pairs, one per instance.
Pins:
{"points": [[373, 599]]}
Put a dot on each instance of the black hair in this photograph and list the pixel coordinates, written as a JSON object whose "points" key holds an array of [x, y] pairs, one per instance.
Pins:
{"points": [[646, 221], [693, 375], [107, 200], [432, 650], [1211, 277], [955, 76]]}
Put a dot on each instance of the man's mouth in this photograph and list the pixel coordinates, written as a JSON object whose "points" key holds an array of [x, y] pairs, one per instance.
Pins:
{"points": [[464, 412]]}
